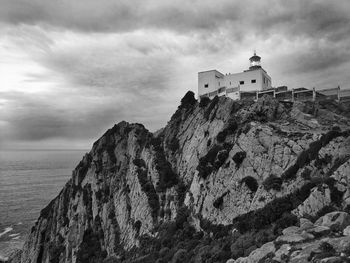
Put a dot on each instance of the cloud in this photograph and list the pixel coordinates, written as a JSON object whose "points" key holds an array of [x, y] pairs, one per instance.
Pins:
{"points": [[71, 69]]}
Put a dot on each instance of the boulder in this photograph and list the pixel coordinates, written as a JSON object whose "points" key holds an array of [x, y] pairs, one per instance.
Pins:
{"points": [[230, 261], [332, 260], [180, 256], [334, 220], [291, 230], [294, 238], [258, 254], [262, 252], [282, 252], [318, 231], [319, 198], [305, 224], [346, 231]]}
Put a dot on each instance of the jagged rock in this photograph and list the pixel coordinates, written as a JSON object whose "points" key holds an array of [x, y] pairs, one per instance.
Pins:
{"points": [[179, 256], [258, 254], [133, 180], [318, 231], [332, 260], [305, 224], [319, 198], [291, 230], [346, 231], [282, 252], [294, 238], [334, 220]]}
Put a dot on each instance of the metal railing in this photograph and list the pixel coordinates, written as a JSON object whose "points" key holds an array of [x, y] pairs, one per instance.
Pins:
{"points": [[299, 94]]}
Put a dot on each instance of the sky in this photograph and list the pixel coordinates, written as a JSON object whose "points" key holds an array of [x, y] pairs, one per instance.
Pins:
{"points": [[69, 70]]}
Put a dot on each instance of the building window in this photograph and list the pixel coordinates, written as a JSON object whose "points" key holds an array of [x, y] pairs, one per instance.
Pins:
{"points": [[253, 80], [206, 85], [241, 82]]}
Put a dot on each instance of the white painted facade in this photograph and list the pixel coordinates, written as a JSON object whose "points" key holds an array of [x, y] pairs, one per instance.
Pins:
{"points": [[212, 82]]}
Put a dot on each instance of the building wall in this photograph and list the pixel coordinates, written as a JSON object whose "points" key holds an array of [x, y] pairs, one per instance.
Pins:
{"points": [[215, 80], [212, 78]]}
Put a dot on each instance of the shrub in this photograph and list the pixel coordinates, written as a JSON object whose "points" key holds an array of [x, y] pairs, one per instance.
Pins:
{"points": [[208, 142], [204, 102], [137, 226], [90, 249], [310, 154], [274, 210], [273, 182], [238, 158], [139, 162], [148, 188], [212, 105], [251, 183], [228, 130], [220, 158], [219, 201], [188, 100], [174, 144], [213, 160]]}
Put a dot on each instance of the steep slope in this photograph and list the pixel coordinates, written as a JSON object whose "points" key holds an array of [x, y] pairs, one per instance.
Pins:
{"points": [[217, 166]]}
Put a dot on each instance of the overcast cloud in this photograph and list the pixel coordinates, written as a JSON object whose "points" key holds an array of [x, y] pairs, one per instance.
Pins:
{"points": [[71, 69]]}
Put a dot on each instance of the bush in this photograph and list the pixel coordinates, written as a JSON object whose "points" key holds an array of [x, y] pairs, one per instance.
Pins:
{"points": [[273, 182], [219, 201], [90, 249], [174, 144], [213, 160], [251, 183], [220, 158], [238, 158], [311, 153], [139, 162], [212, 105], [148, 188], [188, 100], [204, 102], [228, 130]]}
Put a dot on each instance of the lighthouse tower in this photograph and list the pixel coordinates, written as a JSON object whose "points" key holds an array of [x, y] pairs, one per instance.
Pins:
{"points": [[255, 62], [213, 83]]}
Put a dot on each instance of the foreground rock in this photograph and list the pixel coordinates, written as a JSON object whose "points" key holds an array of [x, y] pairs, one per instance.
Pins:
{"points": [[178, 195], [297, 245]]}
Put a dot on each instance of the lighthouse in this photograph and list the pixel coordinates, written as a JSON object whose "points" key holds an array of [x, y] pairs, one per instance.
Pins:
{"points": [[213, 83], [255, 62]]}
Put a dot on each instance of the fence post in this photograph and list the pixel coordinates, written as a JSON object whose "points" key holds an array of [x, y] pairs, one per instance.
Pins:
{"points": [[313, 94], [274, 93], [293, 95], [257, 95], [239, 92], [338, 94]]}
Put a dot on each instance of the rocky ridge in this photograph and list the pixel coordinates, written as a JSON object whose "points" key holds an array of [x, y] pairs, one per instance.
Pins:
{"points": [[222, 179]]}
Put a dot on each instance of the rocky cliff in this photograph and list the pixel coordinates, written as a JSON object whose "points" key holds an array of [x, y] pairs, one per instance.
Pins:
{"points": [[220, 180]]}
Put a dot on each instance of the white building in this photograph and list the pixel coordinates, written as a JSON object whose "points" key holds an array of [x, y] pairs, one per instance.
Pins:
{"points": [[212, 82]]}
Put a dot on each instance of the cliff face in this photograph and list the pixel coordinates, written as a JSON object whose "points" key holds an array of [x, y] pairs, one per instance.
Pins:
{"points": [[220, 162]]}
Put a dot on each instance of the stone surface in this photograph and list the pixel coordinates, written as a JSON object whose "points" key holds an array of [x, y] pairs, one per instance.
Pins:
{"points": [[305, 224], [346, 231], [319, 198], [106, 196], [318, 231], [282, 253], [294, 238], [291, 230], [334, 220]]}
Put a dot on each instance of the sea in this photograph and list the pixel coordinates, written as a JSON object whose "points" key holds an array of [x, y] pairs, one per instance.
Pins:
{"points": [[29, 180]]}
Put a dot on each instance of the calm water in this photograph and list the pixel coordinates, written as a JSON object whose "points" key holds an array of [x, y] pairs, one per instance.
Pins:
{"points": [[28, 181]]}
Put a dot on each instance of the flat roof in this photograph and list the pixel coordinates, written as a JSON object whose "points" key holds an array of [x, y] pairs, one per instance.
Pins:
{"points": [[211, 70]]}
